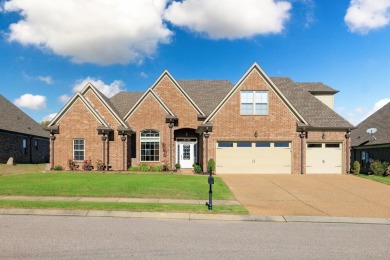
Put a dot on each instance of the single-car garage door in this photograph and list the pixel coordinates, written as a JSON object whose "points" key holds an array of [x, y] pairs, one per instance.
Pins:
{"points": [[324, 158], [253, 157]]}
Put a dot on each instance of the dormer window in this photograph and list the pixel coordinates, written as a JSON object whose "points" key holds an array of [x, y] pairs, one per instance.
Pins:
{"points": [[254, 102]]}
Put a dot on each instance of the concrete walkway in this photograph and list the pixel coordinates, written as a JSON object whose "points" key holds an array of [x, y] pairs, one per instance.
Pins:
{"points": [[120, 200], [311, 195]]}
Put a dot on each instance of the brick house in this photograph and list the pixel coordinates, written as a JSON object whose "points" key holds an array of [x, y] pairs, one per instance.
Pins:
{"points": [[20, 136], [371, 139], [258, 125]]}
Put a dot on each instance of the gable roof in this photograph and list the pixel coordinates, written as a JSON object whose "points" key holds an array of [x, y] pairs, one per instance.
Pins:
{"points": [[316, 113], [379, 120], [70, 103], [207, 94], [124, 101], [181, 90], [256, 67], [106, 102], [148, 92], [15, 120]]}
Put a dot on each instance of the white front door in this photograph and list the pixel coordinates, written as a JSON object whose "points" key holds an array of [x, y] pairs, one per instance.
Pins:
{"points": [[186, 154]]}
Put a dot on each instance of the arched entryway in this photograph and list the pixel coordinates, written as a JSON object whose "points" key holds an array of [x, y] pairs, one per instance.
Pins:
{"points": [[187, 147]]}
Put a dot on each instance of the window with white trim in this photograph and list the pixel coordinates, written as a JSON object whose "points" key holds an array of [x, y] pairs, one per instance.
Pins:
{"points": [[254, 102], [150, 146], [78, 149]]}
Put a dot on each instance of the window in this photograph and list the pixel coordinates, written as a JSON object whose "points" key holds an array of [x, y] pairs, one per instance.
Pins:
{"points": [[225, 144], [282, 144], [263, 144], [244, 144], [36, 145], [150, 146], [254, 102], [332, 145], [78, 149], [24, 146], [314, 145]]}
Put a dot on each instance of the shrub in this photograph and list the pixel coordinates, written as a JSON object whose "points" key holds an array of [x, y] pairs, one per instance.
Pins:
{"points": [[143, 167], [157, 168], [211, 166], [177, 166], [197, 168], [87, 165], [58, 168], [133, 169], [100, 165], [356, 167], [72, 165], [378, 168]]}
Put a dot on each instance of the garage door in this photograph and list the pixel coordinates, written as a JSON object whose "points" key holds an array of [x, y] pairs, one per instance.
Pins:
{"points": [[324, 158], [253, 157]]}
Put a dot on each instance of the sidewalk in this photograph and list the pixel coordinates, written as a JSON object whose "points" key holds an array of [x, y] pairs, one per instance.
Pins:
{"points": [[180, 216]]}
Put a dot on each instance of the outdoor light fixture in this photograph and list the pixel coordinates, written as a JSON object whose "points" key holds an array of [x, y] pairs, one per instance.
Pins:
{"points": [[255, 134]]}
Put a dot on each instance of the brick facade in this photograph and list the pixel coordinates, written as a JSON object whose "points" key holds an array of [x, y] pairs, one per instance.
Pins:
{"points": [[35, 151], [166, 98]]}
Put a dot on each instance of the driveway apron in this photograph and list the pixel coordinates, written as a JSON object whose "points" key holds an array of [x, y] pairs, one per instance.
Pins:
{"points": [[310, 195]]}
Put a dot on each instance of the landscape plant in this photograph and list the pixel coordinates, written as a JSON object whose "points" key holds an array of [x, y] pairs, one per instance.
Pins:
{"points": [[58, 168], [211, 165], [356, 167], [72, 165], [379, 168], [87, 165]]}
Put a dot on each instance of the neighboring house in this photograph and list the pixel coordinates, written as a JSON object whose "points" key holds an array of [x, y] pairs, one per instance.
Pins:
{"points": [[20, 136], [369, 144], [258, 125]]}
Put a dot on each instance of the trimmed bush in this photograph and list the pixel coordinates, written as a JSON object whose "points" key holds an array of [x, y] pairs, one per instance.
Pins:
{"points": [[58, 168], [356, 167], [211, 165], [133, 169], [177, 166], [143, 167], [197, 168], [157, 168]]}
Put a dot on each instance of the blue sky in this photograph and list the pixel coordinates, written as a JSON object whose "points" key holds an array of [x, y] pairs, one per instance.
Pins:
{"points": [[50, 49]]}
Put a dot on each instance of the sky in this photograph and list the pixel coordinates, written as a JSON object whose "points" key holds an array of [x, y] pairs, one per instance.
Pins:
{"points": [[51, 49]]}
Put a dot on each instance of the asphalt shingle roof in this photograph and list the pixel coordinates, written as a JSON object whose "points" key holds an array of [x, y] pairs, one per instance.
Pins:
{"points": [[316, 113], [207, 94], [379, 120], [317, 87], [124, 101], [15, 120]]}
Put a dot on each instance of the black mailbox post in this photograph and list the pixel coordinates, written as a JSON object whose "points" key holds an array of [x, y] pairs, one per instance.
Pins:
{"points": [[211, 182]]}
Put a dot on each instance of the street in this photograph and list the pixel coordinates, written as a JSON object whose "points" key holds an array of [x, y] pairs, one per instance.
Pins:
{"points": [[53, 237]]}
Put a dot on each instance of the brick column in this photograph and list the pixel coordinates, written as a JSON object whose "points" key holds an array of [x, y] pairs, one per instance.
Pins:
{"points": [[52, 138], [302, 135], [347, 151]]}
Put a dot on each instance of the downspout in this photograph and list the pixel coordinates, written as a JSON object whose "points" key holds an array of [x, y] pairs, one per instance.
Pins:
{"points": [[347, 152], [52, 138]]}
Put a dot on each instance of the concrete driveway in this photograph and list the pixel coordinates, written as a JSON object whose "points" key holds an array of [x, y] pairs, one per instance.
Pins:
{"points": [[311, 195]]}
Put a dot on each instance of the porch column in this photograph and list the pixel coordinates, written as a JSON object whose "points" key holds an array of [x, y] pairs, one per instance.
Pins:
{"points": [[347, 151], [52, 138], [104, 139], [302, 135], [170, 145], [123, 138]]}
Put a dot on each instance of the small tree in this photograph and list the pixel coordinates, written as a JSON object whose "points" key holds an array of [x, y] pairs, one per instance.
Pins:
{"points": [[211, 166], [356, 167]]}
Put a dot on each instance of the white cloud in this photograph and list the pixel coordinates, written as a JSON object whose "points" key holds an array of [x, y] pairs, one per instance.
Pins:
{"points": [[108, 90], [47, 79], [143, 75], [229, 19], [64, 98], [91, 31], [365, 15], [49, 117], [34, 102]]}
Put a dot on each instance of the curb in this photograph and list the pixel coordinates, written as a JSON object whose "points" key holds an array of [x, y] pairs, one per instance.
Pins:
{"points": [[194, 216]]}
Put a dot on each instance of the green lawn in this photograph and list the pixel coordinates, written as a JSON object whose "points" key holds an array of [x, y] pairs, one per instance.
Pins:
{"points": [[382, 179], [144, 207], [89, 184]]}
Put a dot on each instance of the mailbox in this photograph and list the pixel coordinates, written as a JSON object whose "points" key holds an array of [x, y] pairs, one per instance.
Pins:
{"points": [[211, 180]]}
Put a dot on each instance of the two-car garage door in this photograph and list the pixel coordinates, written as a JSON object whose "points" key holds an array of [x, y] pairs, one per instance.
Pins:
{"points": [[253, 157]]}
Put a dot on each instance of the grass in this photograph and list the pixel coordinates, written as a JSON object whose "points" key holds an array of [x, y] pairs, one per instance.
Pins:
{"points": [[20, 168], [163, 186], [137, 207], [385, 180]]}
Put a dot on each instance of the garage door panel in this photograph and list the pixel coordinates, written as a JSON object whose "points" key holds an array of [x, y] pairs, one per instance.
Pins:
{"points": [[253, 160], [324, 158]]}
